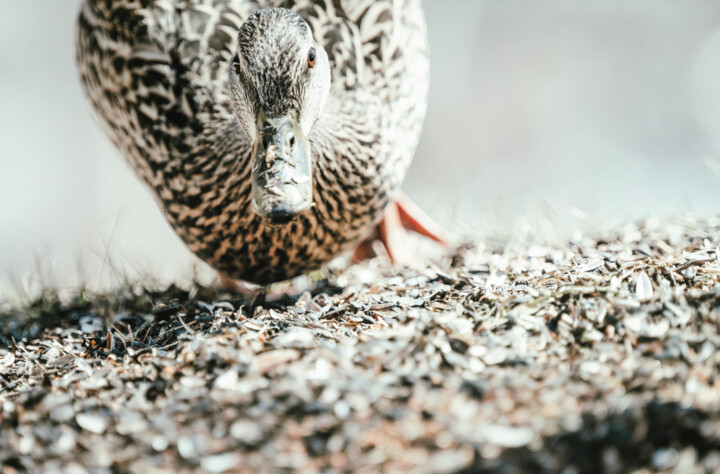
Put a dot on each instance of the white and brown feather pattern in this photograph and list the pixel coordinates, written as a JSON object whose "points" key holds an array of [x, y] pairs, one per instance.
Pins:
{"points": [[156, 72]]}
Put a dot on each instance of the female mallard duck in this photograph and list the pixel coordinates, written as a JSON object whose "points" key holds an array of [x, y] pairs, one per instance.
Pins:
{"points": [[274, 133]]}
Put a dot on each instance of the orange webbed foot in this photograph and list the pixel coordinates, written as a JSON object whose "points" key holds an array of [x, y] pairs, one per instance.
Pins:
{"points": [[391, 235]]}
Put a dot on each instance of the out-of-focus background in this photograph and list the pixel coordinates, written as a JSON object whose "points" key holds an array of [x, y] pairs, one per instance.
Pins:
{"points": [[546, 117]]}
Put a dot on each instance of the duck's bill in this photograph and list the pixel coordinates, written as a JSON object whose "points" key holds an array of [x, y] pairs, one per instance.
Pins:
{"points": [[282, 179]]}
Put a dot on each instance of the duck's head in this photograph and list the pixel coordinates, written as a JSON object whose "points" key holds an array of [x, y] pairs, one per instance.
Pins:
{"points": [[280, 81]]}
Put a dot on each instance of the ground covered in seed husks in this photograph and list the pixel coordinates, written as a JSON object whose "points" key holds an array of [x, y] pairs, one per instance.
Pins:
{"points": [[595, 355]]}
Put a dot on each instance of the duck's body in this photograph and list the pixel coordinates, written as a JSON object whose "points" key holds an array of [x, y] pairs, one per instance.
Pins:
{"points": [[157, 75]]}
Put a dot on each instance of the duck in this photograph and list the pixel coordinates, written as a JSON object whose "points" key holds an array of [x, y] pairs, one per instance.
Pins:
{"points": [[273, 134]]}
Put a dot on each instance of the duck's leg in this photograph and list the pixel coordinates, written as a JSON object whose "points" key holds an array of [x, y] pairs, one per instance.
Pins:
{"points": [[237, 286], [403, 215], [254, 295]]}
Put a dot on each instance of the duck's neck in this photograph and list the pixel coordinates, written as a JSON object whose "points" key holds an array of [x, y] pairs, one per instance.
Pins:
{"points": [[350, 135], [352, 160]]}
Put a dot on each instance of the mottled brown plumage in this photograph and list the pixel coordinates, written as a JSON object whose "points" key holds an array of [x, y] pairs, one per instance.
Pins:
{"points": [[160, 76]]}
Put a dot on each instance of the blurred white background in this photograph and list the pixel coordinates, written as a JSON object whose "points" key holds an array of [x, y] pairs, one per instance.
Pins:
{"points": [[544, 116]]}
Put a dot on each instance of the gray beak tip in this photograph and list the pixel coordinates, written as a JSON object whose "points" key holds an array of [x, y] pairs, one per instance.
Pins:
{"points": [[281, 214]]}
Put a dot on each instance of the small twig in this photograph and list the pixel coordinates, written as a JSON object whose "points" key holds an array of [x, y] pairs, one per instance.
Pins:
{"points": [[187, 328]]}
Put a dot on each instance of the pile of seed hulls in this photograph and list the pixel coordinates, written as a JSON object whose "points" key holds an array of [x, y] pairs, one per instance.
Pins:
{"points": [[597, 355]]}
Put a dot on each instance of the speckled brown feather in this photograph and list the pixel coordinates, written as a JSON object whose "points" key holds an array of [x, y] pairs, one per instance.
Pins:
{"points": [[156, 73]]}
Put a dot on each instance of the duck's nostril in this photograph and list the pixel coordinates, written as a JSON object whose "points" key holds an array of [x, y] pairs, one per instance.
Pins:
{"points": [[292, 142]]}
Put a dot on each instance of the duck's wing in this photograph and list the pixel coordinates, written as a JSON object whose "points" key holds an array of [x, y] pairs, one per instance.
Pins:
{"points": [[369, 42], [156, 74]]}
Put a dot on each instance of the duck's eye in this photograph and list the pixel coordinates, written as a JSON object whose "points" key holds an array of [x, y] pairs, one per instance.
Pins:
{"points": [[311, 57]]}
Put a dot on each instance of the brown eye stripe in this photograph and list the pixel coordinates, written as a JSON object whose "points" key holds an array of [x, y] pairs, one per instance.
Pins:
{"points": [[311, 57]]}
